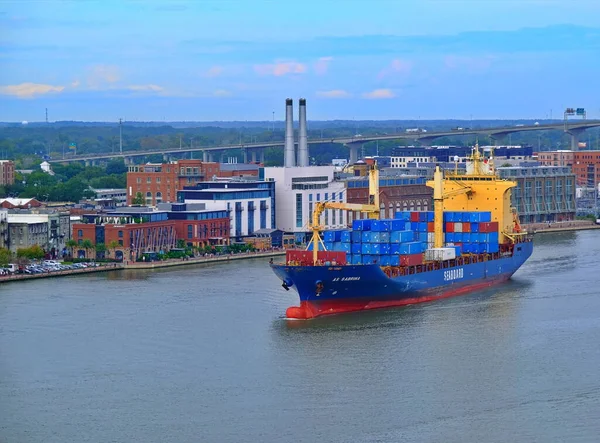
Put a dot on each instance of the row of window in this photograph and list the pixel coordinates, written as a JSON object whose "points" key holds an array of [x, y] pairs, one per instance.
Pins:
{"points": [[326, 197]]}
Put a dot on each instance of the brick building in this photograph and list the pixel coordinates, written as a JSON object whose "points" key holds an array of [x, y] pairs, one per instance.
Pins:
{"points": [[586, 166], [140, 230], [556, 158], [159, 182], [7, 172], [396, 194]]}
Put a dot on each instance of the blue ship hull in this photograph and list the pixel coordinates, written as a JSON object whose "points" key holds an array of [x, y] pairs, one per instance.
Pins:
{"points": [[326, 290]]}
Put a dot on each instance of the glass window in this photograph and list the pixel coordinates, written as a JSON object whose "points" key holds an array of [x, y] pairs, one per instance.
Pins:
{"points": [[299, 210], [190, 231], [80, 233], [148, 179], [120, 234]]}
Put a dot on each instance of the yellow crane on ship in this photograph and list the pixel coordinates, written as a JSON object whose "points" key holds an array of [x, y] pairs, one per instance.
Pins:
{"points": [[476, 190]]}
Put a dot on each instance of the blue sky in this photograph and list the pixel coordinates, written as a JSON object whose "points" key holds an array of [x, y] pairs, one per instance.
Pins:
{"points": [[239, 59]]}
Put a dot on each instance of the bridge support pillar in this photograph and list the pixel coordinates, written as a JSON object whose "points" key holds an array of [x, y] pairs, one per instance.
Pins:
{"points": [[253, 153], [166, 158], [575, 133], [204, 156], [211, 157], [354, 153], [262, 156], [222, 156], [128, 160], [497, 138], [245, 155]]}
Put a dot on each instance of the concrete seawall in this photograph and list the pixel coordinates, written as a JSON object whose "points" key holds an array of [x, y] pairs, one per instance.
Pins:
{"points": [[102, 268], [202, 260]]}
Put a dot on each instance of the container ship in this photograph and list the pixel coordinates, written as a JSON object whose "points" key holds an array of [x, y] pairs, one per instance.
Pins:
{"points": [[471, 240]]}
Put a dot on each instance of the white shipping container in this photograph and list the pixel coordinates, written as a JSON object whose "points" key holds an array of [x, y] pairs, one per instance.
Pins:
{"points": [[430, 237], [457, 227], [440, 254]]}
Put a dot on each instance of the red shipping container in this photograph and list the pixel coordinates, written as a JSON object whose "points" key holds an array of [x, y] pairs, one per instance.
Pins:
{"points": [[411, 260], [449, 227], [431, 227], [488, 227], [466, 227], [414, 216]]}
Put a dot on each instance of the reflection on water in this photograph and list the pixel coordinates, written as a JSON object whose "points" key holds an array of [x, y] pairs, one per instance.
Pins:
{"points": [[201, 353]]}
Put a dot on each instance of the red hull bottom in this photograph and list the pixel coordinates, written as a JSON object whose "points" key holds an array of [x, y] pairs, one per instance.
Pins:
{"points": [[309, 309]]}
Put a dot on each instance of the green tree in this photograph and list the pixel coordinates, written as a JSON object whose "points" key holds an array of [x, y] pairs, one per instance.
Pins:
{"points": [[5, 257], [138, 199], [34, 252], [113, 245], [88, 246], [100, 250], [71, 244], [116, 166]]}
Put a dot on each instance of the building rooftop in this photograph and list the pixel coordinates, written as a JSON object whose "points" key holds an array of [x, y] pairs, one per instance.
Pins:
{"points": [[17, 201], [28, 218]]}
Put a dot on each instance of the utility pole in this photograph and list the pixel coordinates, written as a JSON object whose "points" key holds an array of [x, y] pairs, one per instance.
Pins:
{"points": [[46, 115], [273, 122], [120, 136]]}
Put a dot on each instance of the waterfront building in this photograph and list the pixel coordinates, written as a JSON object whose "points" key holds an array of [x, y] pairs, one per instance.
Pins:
{"points": [[7, 172], [4, 228], [25, 229], [543, 193], [138, 230], [297, 189], [250, 203], [585, 164]]}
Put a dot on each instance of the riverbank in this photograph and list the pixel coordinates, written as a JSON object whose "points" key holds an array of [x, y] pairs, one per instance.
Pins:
{"points": [[202, 260], [576, 225], [103, 267]]}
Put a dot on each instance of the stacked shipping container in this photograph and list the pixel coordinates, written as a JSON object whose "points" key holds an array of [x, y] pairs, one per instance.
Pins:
{"points": [[403, 240]]}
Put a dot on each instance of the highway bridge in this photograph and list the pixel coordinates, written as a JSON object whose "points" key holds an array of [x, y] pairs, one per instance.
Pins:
{"points": [[255, 151]]}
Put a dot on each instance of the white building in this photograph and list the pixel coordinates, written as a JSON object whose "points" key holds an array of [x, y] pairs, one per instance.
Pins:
{"points": [[250, 203], [296, 191], [402, 162], [116, 196]]}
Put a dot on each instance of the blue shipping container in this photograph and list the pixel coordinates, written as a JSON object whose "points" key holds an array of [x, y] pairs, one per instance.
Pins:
{"points": [[345, 237], [356, 248], [366, 248], [356, 236], [411, 248]]}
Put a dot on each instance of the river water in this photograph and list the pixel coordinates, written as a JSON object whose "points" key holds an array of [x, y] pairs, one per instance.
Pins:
{"points": [[201, 354]]}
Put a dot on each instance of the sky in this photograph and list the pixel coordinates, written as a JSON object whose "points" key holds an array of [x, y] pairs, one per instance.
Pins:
{"points": [[215, 60]]}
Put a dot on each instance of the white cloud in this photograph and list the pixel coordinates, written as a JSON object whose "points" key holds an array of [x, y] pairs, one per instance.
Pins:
{"points": [[214, 71], [379, 94], [280, 68], [29, 90], [334, 93], [153, 88], [396, 67], [102, 76], [222, 93], [322, 65]]}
